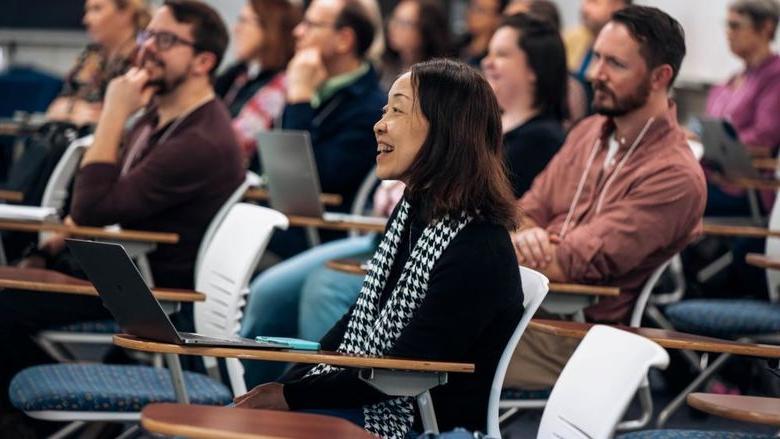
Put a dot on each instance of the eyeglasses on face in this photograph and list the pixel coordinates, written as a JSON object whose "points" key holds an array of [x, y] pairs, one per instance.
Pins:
{"points": [[316, 24], [162, 39]]}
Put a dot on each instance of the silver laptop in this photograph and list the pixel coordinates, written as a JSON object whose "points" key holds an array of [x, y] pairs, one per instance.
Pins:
{"points": [[293, 181], [724, 151], [131, 302]]}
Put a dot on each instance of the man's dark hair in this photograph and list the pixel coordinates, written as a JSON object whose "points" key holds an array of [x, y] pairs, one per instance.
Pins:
{"points": [[354, 16], [208, 29], [460, 165], [546, 56], [661, 38]]}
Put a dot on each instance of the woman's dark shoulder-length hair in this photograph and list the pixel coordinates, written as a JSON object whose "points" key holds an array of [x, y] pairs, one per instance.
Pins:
{"points": [[543, 46], [460, 166]]}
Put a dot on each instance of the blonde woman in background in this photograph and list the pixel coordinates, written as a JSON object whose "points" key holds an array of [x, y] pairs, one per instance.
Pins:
{"points": [[112, 26]]}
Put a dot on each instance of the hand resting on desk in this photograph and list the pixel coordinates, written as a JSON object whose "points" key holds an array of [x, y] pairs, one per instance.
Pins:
{"points": [[268, 396]]}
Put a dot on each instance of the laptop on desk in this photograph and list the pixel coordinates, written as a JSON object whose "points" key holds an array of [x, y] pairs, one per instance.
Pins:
{"points": [[293, 181], [724, 151], [132, 303]]}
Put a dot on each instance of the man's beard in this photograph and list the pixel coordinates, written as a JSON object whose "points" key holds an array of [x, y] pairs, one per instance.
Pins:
{"points": [[166, 87], [162, 86], [624, 105]]}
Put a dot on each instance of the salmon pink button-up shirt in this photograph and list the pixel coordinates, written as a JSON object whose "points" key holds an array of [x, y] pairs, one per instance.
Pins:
{"points": [[650, 211]]}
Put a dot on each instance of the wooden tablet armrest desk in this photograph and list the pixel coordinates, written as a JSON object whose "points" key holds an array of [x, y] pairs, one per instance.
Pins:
{"points": [[207, 422], [393, 376], [667, 339], [11, 196], [261, 194]]}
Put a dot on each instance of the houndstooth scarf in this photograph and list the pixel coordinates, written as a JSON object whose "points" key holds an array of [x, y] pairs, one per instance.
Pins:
{"points": [[373, 331]]}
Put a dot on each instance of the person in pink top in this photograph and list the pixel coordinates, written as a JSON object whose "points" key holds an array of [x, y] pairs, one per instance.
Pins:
{"points": [[749, 100], [623, 195]]}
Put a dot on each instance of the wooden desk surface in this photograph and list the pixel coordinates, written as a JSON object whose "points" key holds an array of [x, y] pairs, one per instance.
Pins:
{"points": [[91, 232], [261, 194], [305, 221], [49, 281], [11, 196], [765, 163], [667, 339], [740, 407], [740, 231], [762, 261], [354, 266], [286, 355], [756, 183], [200, 421]]}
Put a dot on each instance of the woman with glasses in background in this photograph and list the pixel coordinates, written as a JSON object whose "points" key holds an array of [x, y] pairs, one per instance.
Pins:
{"points": [[416, 31]]}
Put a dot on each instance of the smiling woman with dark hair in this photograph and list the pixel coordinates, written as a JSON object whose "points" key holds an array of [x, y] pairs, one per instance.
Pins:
{"points": [[445, 259]]}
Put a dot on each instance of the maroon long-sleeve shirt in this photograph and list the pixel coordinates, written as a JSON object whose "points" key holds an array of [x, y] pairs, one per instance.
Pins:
{"points": [[177, 185]]}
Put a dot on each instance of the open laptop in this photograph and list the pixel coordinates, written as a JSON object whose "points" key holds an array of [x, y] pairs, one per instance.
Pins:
{"points": [[724, 151], [293, 181], [132, 303]]}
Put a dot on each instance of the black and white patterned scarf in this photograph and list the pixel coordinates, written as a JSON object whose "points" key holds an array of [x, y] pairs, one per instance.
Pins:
{"points": [[372, 331]]}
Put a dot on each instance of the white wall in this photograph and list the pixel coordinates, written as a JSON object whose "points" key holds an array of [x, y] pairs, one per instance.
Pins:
{"points": [[709, 59]]}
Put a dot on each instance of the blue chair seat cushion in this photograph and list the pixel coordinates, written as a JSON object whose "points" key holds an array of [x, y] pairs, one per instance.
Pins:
{"points": [[93, 327], [691, 434], [724, 317], [525, 394], [106, 388]]}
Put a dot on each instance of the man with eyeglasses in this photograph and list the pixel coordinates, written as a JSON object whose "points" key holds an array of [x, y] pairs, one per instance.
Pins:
{"points": [[334, 94], [171, 172]]}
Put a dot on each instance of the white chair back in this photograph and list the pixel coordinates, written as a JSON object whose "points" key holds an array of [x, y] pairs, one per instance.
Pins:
{"points": [[227, 266], [234, 198], [57, 188], [644, 295], [363, 196], [598, 383], [535, 287], [773, 251]]}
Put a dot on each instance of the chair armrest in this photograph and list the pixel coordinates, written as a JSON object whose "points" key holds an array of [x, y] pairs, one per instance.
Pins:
{"points": [[50, 281], [765, 164], [306, 221], [91, 232], [291, 356], [755, 183], [261, 194], [762, 261], [667, 339], [11, 196], [587, 290], [739, 231]]}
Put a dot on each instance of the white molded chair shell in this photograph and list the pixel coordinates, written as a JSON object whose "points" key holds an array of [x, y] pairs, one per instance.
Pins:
{"points": [[772, 250], [234, 198], [56, 192], [227, 266], [535, 287], [598, 383]]}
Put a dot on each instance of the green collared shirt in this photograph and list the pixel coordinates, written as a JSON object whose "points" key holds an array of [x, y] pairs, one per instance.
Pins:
{"points": [[336, 83]]}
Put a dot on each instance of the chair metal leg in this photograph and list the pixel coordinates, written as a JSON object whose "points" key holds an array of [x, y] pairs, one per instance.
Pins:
{"points": [[427, 414], [656, 316], [131, 432], [177, 377], [715, 267], [68, 430], [646, 402], [507, 415], [666, 413]]}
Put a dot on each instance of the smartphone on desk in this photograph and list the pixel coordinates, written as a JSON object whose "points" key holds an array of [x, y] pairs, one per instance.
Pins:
{"points": [[291, 343]]}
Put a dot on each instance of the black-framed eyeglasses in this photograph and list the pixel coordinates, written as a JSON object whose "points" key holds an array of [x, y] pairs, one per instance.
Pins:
{"points": [[162, 39], [317, 24]]}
